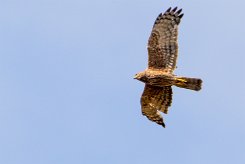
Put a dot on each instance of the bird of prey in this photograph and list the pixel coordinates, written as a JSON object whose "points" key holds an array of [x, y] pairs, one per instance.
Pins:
{"points": [[159, 77]]}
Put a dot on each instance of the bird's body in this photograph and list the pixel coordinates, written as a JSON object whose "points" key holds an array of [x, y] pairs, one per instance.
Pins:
{"points": [[156, 77], [161, 78], [162, 57]]}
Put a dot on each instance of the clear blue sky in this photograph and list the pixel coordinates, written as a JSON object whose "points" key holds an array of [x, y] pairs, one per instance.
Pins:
{"points": [[67, 93]]}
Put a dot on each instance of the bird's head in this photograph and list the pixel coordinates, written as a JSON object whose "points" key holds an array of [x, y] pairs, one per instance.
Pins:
{"points": [[140, 76]]}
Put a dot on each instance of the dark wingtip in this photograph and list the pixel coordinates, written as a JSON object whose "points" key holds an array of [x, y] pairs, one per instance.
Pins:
{"points": [[163, 125], [175, 9], [181, 15], [168, 9], [159, 15], [179, 11]]}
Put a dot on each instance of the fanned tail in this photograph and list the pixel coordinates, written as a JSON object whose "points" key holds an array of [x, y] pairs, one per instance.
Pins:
{"points": [[189, 83]]}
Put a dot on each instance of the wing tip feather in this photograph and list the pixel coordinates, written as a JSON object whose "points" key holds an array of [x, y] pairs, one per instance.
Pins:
{"points": [[172, 12], [174, 9], [179, 11], [169, 9], [181, 15]]}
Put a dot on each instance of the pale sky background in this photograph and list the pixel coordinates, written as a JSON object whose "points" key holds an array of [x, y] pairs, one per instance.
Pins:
{"points": [[67, 93]]}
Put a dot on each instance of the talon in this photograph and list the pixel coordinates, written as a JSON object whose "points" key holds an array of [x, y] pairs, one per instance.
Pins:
{"points": [[181, 80]]}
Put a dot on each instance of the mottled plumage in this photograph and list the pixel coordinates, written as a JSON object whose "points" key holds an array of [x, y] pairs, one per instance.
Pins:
{"points": [[153, 98], [162, 57]]}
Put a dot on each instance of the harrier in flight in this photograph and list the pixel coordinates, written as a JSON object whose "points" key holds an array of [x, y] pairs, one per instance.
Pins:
{"points": [[159, 77]]}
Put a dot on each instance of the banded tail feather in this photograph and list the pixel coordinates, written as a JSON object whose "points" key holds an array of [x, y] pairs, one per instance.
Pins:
{"points": [[189, 83]]}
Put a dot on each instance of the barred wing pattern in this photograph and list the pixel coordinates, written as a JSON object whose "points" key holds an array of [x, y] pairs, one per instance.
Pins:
{"points": [[155, 99], [162, 44]]}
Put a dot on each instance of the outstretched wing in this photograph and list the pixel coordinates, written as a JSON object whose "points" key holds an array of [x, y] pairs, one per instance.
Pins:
{"points": [[155, 99], [162, 44]]}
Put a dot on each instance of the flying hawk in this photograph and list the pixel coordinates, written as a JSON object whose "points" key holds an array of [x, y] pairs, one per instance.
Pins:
{"points": [[159, 77]]}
